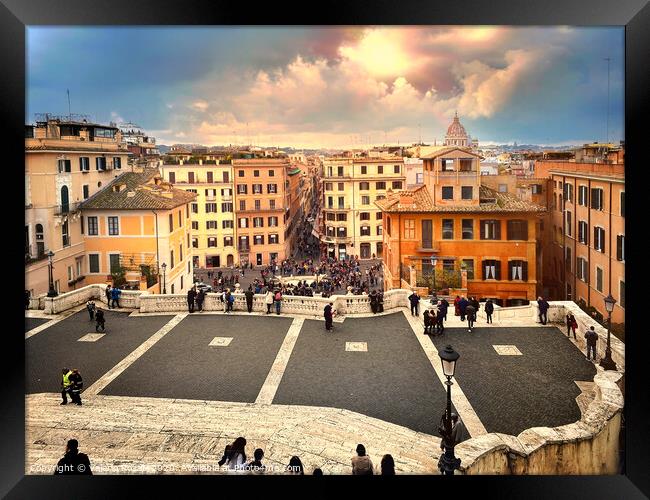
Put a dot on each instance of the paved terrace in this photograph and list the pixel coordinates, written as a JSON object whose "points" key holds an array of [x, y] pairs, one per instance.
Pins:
{"points": [[166, 391]]}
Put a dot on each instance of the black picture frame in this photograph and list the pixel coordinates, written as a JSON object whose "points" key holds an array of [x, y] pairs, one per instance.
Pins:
{"points": [[633, 14]]}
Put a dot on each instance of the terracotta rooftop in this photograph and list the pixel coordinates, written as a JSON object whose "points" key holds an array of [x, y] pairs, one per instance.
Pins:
{"points": [[418, 200], [138, 191]]}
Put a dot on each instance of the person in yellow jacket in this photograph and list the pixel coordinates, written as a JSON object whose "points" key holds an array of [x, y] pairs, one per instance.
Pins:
{"points": [[66, 386]]}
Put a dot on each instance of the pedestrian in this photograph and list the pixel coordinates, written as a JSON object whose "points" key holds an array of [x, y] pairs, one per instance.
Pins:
{"points": [[76, 386], [458, 431], [249, 298], [414, 299], [592, 340], [380, 301], [571, 324], [73, 462], [387, 466], [477, 306], [191, 295], [361, 463], [200, 298], [115, 294], [440, 322], [268, 300], [90, 307], [489, 309], [444, 306], [99, 320], [470, 312], [543, 308], [230, 300], [277, 298], [456, 306], [235, 457], [373, 301], [256, 465], [66, 386], [295, 466], [462, 307], [427, 321], [109, 295], [329, 315]]}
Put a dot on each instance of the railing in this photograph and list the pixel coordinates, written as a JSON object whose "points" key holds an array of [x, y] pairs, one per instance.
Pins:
{"points": [[66, 209]]}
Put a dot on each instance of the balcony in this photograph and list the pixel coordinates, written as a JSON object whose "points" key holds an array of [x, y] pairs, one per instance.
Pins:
{"points": [[337, 207], [429, 247], [66, 209]]}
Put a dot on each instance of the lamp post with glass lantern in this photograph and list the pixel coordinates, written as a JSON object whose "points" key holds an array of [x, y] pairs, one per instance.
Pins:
{"points": [[448, 462], [164, 268], [52, 291], [607, 362]]}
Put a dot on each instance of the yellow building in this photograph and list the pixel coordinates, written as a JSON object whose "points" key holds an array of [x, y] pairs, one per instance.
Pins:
{"points": [[212, 212], [351, 222], [137, 223], [66, 162]]}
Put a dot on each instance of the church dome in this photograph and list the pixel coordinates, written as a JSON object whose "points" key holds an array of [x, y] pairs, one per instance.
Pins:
{"points": [[456, 129]]}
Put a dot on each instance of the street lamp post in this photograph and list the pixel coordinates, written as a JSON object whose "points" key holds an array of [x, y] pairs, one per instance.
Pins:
{"points": [[433, 264], [607, 362], [164, 268], [448, 462], [51, 292]]}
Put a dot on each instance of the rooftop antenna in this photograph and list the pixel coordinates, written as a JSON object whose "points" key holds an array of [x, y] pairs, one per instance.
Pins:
{"points": [[607, 59], [70, 113], [419, 134]]}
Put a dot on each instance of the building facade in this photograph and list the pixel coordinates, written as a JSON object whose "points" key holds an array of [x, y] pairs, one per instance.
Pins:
{"points": [[66, 162], [351, 222]]}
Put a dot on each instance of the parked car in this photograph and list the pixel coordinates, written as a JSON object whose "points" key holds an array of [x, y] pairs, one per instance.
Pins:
{"points": [[203, 286]]}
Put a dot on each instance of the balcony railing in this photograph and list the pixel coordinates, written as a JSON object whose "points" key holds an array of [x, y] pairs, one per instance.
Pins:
{"points": [[66, 209]]}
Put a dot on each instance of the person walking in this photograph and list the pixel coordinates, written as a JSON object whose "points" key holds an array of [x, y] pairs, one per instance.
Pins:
{"points": [[426, 315], [73, 462], [249, 298], [100, 321], [329, 315], [191, 295], [470, 312], [387, 465], [236, 455], [268, 300], [109, 295], [66, 386], [456, 306], [115, 294], [477, 307], [76, 386], [443, 307], [361, 463], [200, 298], [592, 340], [414, 299], [489, 309], [440, 321], [543, 308], [462, 307], [230, 300], [571, 324], [277, 298], [90, 307]]}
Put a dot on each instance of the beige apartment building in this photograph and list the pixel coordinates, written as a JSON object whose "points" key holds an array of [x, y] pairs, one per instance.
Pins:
{"points": [[351, 222], [66, 162], [212, 212]]}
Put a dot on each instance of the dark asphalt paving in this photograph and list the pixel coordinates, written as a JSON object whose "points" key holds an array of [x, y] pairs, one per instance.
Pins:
{"points": [[513, 393], [183, 365], [47, 352], [393, 381], [31, 323]]}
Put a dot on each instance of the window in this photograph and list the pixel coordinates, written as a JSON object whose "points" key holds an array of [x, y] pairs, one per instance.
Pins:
{"points": [[447, 165], [447, 229], [85, 190], [226, 207], [242, 189], [380, 185], [599, 279], [240, 173], [620, 247], [172, 291], [447, 192], [365, 200], [227, 241], [212, 242], [364, 169], [187, 211], [114, 262], [340, 171], [380, 169], [273, 221], [568, 192], [582, 270], [468, 265], [258, 205], [490, 229], [171, 259], [212, 207], [92, 226], [341, 232], [195, 225], [271, 188], [396, 169], [518, 270], [364, 216], [341, 217], [569, 226], [93, 263], [225, 176], [597, 199], [583, 232], [195, 208], [328, 186], [491, 270], [388, 225], [256, 173], [211, 224], [621, 294], [272, 204], [365, 230], [567, 259], [258, 221], [100, 163], [517, 229], [84, 163], [171, 222], [210, 193], [330, 216], [64, 166], [65, 235], [397, 184], [503, 188], [271, 173], [378, 215], [210, 177], [537, 189], [623, 207], [340, 186], [364, 186], [599, 239], [243, 222], [409, 229], [273, 239], [113, 226], [242, 205], [427, 233], [468, 229], [258, 239], [257, 189], [448, 264], [180, 252], [190, 177], [172, 177], [117, 162], [195, 243], [466, 192], [380, 230], [583, 196]]}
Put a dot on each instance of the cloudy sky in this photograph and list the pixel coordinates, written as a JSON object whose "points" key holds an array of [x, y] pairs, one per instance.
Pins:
{"points": [[334, 87]]}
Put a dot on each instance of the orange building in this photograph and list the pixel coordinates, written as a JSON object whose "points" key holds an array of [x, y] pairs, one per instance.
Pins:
{"points": [[137, 223], [452, 223]]}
